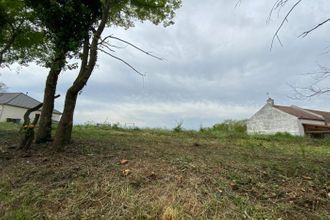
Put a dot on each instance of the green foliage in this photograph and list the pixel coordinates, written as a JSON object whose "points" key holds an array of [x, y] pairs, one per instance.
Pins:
{"points": [[229, 128], [20, 39], [67, 23], [178, 127], [283, 135], [4, 19], [125, 13]]}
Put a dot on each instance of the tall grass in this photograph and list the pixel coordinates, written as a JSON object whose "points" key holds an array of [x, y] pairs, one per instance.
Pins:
{"points": [[229, 128]]}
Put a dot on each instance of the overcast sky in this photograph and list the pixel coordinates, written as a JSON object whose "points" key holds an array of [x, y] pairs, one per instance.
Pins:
{"points": [[218, 66]]}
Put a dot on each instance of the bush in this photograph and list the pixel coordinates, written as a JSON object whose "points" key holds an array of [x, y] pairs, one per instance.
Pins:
{"points": [[231, 126], [228, 129], [178, 127]]}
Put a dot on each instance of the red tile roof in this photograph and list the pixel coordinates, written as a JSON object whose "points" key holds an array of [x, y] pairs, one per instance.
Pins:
{"points": [[305, 113], [326, 115]]}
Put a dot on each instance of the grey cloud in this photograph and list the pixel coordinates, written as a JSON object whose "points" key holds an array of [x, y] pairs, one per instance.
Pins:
{"points": [[217, 58]]}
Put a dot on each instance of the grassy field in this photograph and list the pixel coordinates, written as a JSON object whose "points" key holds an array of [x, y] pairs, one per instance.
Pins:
{"points": [[218, 173]]}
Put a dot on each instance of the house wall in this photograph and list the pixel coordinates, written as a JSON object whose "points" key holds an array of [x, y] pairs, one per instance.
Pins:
{"points": [[1, 110], [56, 117], [269, 120], [7, 111]]}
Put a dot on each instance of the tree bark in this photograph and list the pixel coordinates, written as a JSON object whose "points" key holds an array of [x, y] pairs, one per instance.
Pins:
{"points": [[88, 61], [45, 124], [63, 132], [27, 130], [27, 134]]}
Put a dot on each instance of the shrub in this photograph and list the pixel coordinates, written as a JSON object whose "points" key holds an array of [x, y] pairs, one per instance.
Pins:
{"points": [[231, 126], [178, 127]]}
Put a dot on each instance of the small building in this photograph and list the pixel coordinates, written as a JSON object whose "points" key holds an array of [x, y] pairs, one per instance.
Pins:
{"points": [[14, 105], [272, 119]]}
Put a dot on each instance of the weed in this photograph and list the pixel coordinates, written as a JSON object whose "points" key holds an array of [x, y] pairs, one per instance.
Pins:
{"points": [[170, 214], [178, 127]]}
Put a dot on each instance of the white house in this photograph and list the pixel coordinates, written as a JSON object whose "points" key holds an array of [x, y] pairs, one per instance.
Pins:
{"points": [[271, 119], [14, 105]]}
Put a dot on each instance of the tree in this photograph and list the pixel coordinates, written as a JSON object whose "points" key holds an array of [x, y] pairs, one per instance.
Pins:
{"points": [[119, 13], [20, 40], [67, 23], [316, 87]]}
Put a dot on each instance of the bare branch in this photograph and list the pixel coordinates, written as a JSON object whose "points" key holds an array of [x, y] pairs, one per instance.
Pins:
{"points": [[279, 40], [107, 47], [280, 3], [123, 61], [314, 28], [104, 40], [115, 46], [307, 92], [134, 46], [238, 3], [314, 88]]}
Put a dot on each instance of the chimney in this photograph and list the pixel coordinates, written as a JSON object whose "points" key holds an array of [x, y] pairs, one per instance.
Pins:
{"points": [[270, 101]]}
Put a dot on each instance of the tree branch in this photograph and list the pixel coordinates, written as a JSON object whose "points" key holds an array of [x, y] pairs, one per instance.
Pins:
{"points": [[115, 46], [277, 5], [238, 3], [314, 88], [275, 36], [314, 28], [123, 61], [107, 47], [133, 45]]}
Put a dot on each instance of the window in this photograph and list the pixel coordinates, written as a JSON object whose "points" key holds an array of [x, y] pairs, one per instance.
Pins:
{"points": [[14, 120]]}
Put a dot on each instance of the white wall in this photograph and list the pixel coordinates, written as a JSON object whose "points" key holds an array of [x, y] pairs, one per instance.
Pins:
{"points": [[7, 111], [269, 120], [56, 117], [1, 109]]}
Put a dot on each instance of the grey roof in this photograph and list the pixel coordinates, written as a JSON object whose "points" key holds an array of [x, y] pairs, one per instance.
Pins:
{"points": [[20, 100]]}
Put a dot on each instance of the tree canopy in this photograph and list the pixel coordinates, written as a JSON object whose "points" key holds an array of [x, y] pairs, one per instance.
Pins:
{"points": [[125, 13], [66, 22], [20, 39]]}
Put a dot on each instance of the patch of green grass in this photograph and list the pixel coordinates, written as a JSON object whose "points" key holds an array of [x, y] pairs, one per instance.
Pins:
{"points": [[218, 173]]}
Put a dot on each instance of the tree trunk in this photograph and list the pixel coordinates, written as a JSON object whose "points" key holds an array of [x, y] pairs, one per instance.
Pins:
{"points": [[64, 129], [45, 124], [63, 132], [88, 61], [27, 134]]}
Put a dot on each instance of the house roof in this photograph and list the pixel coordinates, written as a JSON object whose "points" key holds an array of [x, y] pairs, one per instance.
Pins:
{"points": [[325, 115], [20, 100], [302, 113]]}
